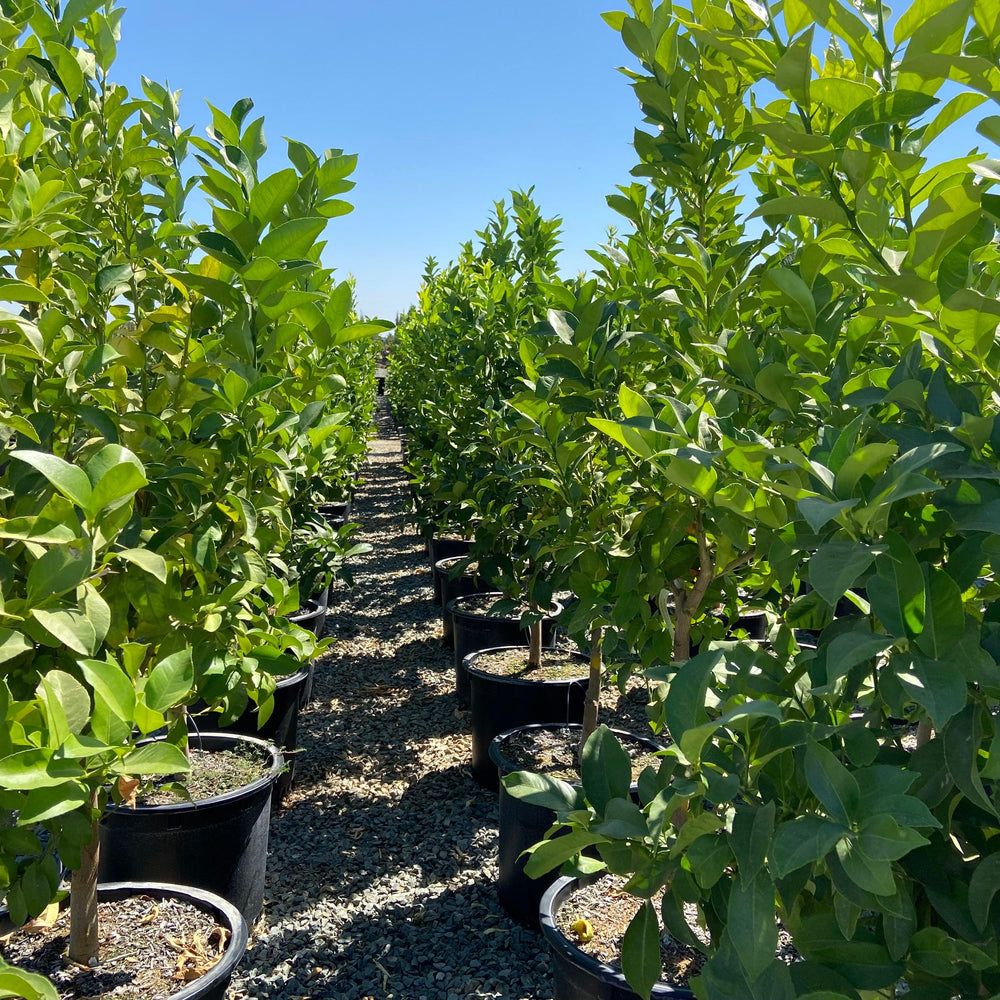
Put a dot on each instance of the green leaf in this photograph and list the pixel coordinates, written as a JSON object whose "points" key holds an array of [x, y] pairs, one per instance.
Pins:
{"points": [[622, 819], [605, 769], [808, 205], [26, 985], [983, 886], [151, 562], [112, 685], [47, 803], [881, 837], [794, 291], [113, 278], [71, 628], [803, 841], [961, 738], [832, 783], [874, 875], [13, 644], [221, 247], [76, 11], [69, 480], [944, 619], [271, 195], [158, 757], [59, 570], [67, 705], [292, 240], [937, 686], [70, 74], [551, 854], [35, 768], [116, 475], [869, 460], [836, 566], [897, 596], [819, 512], [641, 961], [851, 648], [752, 923], [542, 790], [170, 681], [753, 829]]}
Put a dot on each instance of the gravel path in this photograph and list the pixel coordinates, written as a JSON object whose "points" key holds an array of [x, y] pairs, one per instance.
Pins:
{"points": [[381, 876]]}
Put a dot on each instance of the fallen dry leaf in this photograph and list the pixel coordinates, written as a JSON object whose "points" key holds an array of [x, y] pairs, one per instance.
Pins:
{"points": [[43, 921], [126, 789], [195, 956]]}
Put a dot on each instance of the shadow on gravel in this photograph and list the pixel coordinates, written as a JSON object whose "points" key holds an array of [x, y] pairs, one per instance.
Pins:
{"points": [[382, 868], [453, 944]]}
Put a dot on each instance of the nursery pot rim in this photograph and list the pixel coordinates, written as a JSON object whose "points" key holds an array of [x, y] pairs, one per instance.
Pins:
{"points": [[467, 662], [552, 899], [277, 766], [555, 608], [225, 912], [509, 767], [440, 566], [311, 605], [239, 938]]}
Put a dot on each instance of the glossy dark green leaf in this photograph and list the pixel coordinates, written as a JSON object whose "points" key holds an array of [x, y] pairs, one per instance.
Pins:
{"points": [[803, 841], [960, 738], [836, 566], [832, 783], [605, 769], [641, 950], [937, 686]]}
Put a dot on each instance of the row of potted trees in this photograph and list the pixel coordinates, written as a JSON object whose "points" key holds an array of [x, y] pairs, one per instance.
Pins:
{"points": [[783, 403], [177, 402]]}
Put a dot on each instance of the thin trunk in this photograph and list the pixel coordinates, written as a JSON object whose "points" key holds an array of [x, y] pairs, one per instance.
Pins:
{"points": [[535, 646], [83, 930], [682, 634], [593, 696], [924, 732]]}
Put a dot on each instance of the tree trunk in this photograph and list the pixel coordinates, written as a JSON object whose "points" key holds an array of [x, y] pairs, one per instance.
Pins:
{"points": [[83, 930], [593, 697], [682, 635], [535, 645]]}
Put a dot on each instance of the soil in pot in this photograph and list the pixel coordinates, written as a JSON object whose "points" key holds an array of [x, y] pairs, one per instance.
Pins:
{"points": [[281, 727], [469, 582], [477, 628], [591, 917], [506, 692], [552, 750], [218, 843], [601, 911], [155, 941], [213, 772]]}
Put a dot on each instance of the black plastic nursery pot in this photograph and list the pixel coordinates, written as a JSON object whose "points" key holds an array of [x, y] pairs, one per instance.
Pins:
{"points": [[335, 513], [218, 844], [443, 546], [313, 619], [214, 984], [522, 824], [575, 974], [452, 587], [281, 727], [475, 630], [500, 703]]}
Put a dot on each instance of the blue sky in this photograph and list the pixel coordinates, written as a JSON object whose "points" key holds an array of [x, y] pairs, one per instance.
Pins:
{"points": [[448, 103]]}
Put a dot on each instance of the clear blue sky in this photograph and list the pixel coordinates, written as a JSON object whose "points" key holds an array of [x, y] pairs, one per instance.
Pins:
{"points": [[448, 103]]}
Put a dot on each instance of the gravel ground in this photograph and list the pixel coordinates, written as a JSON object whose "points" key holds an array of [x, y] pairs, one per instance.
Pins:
{"points": [[381, 876]]}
